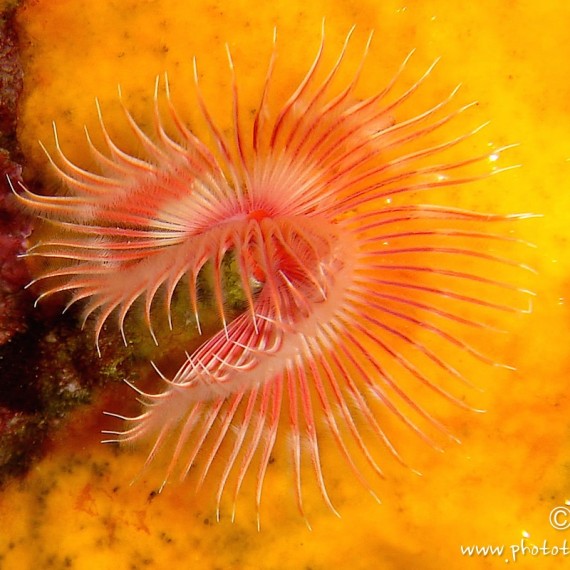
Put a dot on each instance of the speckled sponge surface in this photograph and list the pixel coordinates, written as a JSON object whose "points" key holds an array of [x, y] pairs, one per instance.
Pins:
{"points": [[77, 508]]}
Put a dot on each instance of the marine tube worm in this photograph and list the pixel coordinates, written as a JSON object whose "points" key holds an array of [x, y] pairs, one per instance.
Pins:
{"points": [[354, 284]]}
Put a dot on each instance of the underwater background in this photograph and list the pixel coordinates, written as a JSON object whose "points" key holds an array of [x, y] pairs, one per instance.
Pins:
{"points": [[74, 506]]}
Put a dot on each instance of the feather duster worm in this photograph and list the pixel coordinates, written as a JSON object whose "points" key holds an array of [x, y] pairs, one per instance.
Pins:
{"points": [[346, 275]]}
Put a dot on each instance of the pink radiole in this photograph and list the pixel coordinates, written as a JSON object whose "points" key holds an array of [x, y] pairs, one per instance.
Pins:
{"points": [[339, 263]]}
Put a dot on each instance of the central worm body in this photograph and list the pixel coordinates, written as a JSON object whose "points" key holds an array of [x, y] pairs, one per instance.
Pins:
{"points": [[347, 279]]}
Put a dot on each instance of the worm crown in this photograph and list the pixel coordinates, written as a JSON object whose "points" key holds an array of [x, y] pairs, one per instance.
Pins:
{"points": [[356, 291]]}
